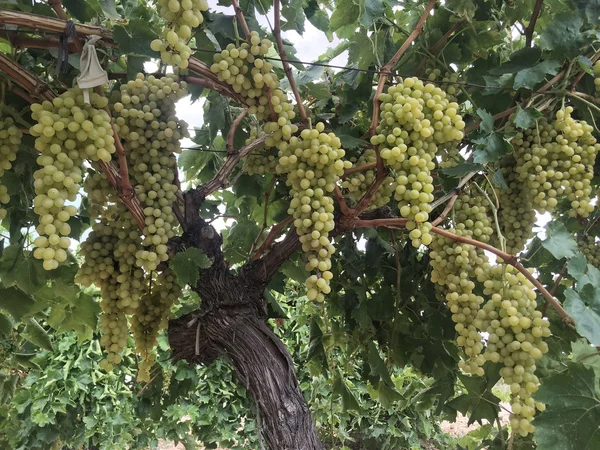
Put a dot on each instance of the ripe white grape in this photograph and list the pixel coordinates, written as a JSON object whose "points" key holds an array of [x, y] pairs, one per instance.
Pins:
{"points": [[181, 17], [10, 139], [416, 118], [556, 160], [68, 132]]}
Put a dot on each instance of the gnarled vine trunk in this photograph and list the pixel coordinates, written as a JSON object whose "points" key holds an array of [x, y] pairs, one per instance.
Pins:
{"points": [[231, 324], [261, 363]]}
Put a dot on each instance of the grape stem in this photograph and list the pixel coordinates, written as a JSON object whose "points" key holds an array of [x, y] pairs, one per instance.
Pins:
{"points": [[62, 14], [531, 27], [387, 68], [439, 219], [286, 66], [271, 237], [360, 168], [26, 79], [220, 179], [234, 126], [240, 16], [437, 45], [346, 211]]}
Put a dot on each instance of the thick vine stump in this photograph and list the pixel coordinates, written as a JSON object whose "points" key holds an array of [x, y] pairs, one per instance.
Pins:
{"points": [[261, 363]]}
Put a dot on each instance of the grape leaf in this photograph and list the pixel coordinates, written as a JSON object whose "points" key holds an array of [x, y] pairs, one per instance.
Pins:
{"points": [[6, 325], [18, 268], [377, 365], [35, 334], [491, 148], [577, 265], [586, 354], [345, 13], [135, 38], [315, 347], [83, 10], [487, 121], [562, 34], [571, 419], [373, 10], [498, 179], [317, 17], [239, 241], [528, 78], [526, 118], [16, 302], [559, 241], [584, 307], [340, 389], [461, 169], [186, 265]]}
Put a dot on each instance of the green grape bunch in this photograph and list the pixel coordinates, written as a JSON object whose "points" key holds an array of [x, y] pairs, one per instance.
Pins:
{"points": [[10, 139], [182, 17], [68, 132], [415, 119], [555, 160]]}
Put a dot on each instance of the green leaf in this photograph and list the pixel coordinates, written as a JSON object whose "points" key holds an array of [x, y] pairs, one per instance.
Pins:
{"points": [[586, 64], [590, 8], [487, 121], [584, 308], [346, 12], [135, 38], [561, 36], [350, 142], [18, 268], [110, 11], [239, 240], [559, 241], [577, 265], [461, 170], [572, 414], [526, 118], [586, 354], [83, 10], [6, 325], [479, 402], [377, 365], [529, 78], [187, 265], [498, 179], [491, 148], [340, 389], [315, 346], [316, 16], [16, 302], [373, 10], [35, 334]]}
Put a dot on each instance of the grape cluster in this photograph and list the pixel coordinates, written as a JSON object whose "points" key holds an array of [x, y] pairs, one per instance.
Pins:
{"points": [[313, 163], [516, 331], [109, 257], [10, 139], [516, 215], [555, 160], [68, 131], [146, 122], [447, 81], [357, 184], [506, 311], [415, 119], [120, 258], [591, 249], [182, 16], [454, 266], [151, 317]]}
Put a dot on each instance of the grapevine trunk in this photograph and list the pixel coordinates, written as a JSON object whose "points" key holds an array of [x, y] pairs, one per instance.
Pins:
{"points": [[261, 363]]}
